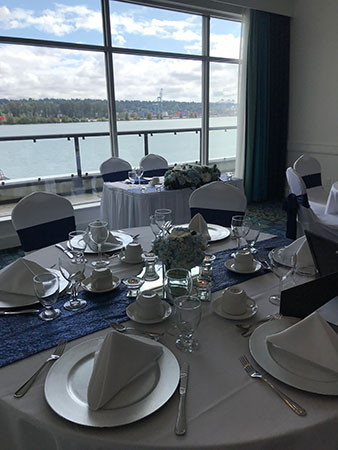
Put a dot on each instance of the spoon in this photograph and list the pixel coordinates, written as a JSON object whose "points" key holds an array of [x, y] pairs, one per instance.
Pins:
{"points": [[122, 329]]}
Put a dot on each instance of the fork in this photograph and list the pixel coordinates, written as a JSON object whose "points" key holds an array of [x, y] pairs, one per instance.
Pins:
{"points": [[53, 357], [255, 374], [122, 329]]}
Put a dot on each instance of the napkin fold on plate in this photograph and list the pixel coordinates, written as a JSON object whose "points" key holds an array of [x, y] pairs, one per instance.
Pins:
{"points": [[119, 361], [301, 247], [17, 278], [197, 223], [112, 242], [312, 339]]}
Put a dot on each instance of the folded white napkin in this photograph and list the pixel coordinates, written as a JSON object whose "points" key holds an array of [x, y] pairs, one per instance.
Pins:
{"points": [[112, 241], [120, 360], [17, 278], [301, 247], [311, 339], [197, 223]]}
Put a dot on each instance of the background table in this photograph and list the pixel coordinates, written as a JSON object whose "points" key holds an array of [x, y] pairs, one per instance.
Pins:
{"points": [[125, 206], [226, 409]]}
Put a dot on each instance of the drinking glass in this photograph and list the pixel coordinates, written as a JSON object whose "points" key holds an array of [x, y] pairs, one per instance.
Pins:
{"points": [[132, 176], [281, 271], [188, 317], [139, 172], [239, 228], [252, 235], [163, 218], [46, 286], [72, 269], [77, 241], [98, 233], [154, 226]]}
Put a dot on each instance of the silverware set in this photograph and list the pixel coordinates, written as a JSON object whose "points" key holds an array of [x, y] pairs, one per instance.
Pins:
{"points": [[123, 329], [248, 328]]}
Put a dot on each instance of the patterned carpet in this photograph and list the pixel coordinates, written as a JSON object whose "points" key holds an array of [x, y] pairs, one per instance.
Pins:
{"points": [[270, 215]]}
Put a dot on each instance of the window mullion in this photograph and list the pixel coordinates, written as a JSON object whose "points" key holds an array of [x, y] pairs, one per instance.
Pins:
{"points": [[204, 151]]}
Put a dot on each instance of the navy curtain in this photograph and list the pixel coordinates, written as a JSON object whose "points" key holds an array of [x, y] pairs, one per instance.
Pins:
{"points": [[267, 106]]}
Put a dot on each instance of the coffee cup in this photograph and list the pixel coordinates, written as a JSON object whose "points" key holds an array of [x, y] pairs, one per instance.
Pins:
{"points": [[243, 260], [234, 301], [154, 181], [148, 305], [133, 252], [101, 278]]}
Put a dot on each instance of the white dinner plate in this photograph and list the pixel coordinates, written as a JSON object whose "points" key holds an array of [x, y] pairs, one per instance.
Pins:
{"points": [[230, 265], [87, 285], [67, 383], [251, 309], [286, 367], [132, 314], [107, 246], [216, 232], [19, 300]]}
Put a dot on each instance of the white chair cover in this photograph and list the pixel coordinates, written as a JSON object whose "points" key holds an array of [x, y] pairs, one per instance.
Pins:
{"points": [[43, 219], [217, 202], [310, 171], [154, 165], [115, 169]]}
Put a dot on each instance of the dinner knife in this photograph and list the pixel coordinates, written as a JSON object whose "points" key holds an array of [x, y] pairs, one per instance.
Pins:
{"points": [[61, 247], [181, 421], [22, 311]]}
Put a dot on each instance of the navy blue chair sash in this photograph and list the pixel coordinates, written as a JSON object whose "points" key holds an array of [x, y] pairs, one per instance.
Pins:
{"points": [[291, 206], [312, 180], [115, 176], [45, 234], [154, 172], [216, 216]]}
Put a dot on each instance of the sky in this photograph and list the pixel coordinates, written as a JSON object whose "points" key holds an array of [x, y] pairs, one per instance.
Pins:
{"points": [[36, 72]]}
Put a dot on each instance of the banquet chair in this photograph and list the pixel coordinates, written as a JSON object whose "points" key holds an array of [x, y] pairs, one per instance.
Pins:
{"points": [[42, 219], [115, 169], [310, 171], [300, 214], [154, 165], [217, 202]]}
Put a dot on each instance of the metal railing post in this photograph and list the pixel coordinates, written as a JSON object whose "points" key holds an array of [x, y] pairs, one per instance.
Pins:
{"points": [[77, 156], [146, 144]]}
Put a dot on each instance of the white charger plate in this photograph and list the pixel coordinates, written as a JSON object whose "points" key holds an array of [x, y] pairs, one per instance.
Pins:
{"points": [[108, 247], [18, 300], [87, 285], [67, 383], [251, 309], [216, 232], [230, 265], [284, 366], [132, 314]]}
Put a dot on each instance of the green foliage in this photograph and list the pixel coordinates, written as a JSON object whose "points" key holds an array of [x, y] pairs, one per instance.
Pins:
{"points": [[190, 176]]}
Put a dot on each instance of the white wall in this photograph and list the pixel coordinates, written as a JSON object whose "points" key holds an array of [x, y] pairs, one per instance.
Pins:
{"points": [[313, 113]]}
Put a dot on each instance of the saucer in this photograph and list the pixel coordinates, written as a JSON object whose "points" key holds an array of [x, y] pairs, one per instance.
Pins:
{"points": [[251, 309], [87, 285], [230, 265], [131, 313], [122, 258]]}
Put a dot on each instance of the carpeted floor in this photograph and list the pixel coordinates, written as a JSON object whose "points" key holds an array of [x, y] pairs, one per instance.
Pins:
{"points": [[270, 215]]}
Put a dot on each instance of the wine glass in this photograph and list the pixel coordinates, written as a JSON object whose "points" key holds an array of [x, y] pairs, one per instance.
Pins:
{"points": [[72, 269], [154, 226], [252, 235], [163, 218], [98, 234], [46, 286], [132, 176], [77, 241], [281, 271], [239, 228], [139, 172], [188, 317]]}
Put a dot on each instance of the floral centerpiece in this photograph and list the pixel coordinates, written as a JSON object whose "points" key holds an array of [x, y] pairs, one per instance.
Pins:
{"points": [[190, 176], [181, 248]]}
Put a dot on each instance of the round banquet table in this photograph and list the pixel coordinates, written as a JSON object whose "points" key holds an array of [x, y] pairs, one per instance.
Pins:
{"points": [[226, 409]]}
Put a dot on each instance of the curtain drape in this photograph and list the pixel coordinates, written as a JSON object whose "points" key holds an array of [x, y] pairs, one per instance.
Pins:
{"points": [[266, 106]]}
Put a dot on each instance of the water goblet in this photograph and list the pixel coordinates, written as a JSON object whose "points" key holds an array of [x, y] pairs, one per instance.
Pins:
{"points": [[154, 226], [252, 235], [239, 228], [77, 241], [98, 234], [139, 172], [46, 286], [132, 176], [163, 218], [72, 269], [281, 271], [188, 317]]}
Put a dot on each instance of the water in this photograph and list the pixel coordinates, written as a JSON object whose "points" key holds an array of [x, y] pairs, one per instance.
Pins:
{"points": [[26, 159]]}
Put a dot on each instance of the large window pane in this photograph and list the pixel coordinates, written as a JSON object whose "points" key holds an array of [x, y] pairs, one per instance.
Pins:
{"points": [[225, 38], [67, 20], [164, 95], [145, 28]]}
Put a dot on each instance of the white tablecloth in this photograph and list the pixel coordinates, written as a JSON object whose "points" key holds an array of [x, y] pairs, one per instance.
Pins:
{"points": [[226, 409], [332, 201], [125, 206]]}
